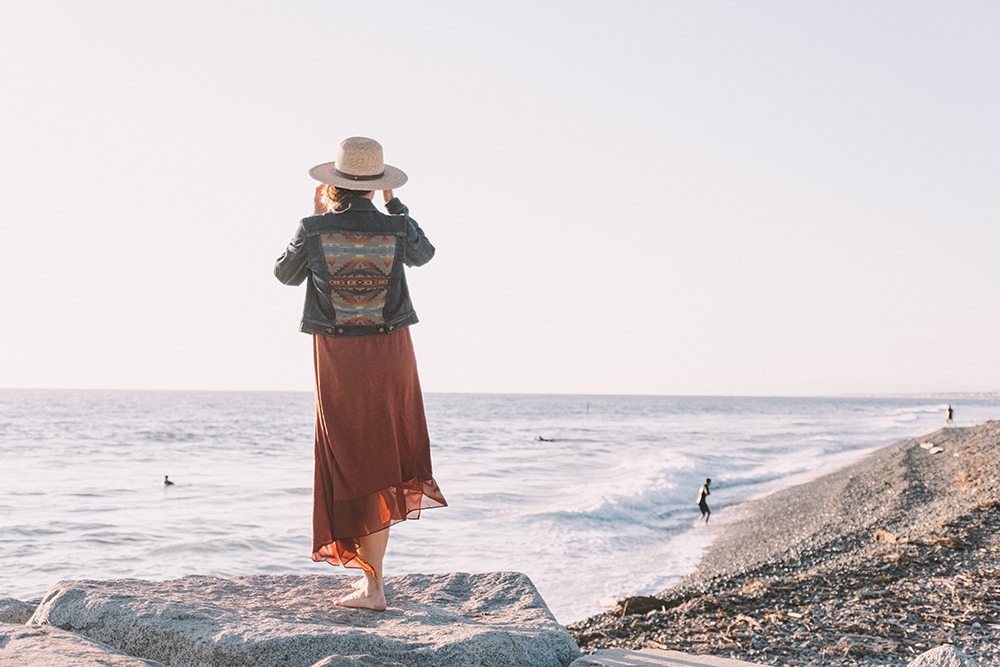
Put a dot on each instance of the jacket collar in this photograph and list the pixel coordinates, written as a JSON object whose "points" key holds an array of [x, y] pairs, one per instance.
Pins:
{"points": [[356, 204]]}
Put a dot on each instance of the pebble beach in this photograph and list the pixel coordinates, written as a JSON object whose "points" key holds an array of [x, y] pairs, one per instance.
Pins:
{"points": [[869, 565]]}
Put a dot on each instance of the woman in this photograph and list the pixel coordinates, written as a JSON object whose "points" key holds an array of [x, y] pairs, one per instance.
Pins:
{"points": [[373, 464]]}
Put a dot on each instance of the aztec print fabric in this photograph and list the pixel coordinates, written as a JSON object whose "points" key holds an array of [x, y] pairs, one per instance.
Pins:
{"points": [[359, 267]]}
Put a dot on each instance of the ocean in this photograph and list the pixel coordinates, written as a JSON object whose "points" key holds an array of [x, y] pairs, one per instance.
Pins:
{"points": [[603, 507]]}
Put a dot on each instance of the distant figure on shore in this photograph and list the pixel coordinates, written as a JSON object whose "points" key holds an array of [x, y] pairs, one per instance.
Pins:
{"points": [[703, 493], [166, 481], [951, 413]]}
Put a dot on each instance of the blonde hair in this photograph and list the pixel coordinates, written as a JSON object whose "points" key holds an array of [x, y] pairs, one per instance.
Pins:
{"points": [[334, 196]]}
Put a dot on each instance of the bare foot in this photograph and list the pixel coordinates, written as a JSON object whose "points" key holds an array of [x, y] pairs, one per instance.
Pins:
{"points": [[359, 584], [363, 599]]}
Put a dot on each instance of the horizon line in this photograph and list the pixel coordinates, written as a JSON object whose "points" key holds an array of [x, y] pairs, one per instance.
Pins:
{"points": [[914, 395]]}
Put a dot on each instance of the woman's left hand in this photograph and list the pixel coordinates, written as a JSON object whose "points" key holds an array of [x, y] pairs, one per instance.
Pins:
{"points": [[319, 206]]}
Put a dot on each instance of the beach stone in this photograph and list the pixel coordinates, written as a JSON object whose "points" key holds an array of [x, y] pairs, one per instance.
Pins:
{"points": [[642, 604], [651, 657], [44, 646], [494, 618], [16, 611], [942, 656]]}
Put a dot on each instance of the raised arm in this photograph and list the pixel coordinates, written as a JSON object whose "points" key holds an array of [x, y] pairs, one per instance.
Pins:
{"points": [[293, 265], [419, 250]]}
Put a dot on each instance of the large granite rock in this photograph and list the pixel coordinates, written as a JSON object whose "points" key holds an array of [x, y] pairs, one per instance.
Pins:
{"points": [[942, 656], [466, 620], [15, 611], [44, 646]]}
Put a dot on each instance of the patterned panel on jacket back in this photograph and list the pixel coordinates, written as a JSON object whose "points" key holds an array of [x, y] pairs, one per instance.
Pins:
{"points": [[359, 268]]}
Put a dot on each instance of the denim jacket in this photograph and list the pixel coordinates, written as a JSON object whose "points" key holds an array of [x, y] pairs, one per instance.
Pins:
{"points": [[354, 259]]}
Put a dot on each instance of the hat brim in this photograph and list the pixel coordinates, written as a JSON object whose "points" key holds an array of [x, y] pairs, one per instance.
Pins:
{"points": [[392, 178]]}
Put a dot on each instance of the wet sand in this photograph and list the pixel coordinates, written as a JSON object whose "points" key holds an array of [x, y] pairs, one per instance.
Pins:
{"points": [[870, 565]]}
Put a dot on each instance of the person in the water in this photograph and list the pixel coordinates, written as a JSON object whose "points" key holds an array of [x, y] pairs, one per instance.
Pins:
{"points": [[166, 481], [703, 492]]}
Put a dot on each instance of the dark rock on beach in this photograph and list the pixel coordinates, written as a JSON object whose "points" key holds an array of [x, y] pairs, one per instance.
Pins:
{"points": [[642, 604], [874, 564]]}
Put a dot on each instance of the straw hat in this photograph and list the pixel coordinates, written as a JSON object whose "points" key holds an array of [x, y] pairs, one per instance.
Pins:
{"points": [[359, 166]]}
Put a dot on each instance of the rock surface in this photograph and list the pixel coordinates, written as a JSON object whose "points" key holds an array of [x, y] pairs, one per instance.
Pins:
{"points": [[15, 611], [43, 646], [460, 619], [651, 657], [943, 656]]}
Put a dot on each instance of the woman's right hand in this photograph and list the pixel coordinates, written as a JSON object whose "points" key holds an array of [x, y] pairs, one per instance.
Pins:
{"points": [[387, 196], [319, 206]]}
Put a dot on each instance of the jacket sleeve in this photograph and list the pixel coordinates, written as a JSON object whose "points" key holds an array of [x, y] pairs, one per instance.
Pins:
{"points": [[419, 250], [293, 266]]}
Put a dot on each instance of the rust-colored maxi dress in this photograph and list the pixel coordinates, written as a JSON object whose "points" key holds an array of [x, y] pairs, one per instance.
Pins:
{"points": [[373, 460]]}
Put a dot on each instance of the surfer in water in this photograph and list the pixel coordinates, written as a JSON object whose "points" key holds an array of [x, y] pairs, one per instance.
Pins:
{"points": [[166, 481], [703, 493]]}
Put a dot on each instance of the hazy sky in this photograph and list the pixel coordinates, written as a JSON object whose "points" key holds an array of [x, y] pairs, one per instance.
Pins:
{"points": [[632, 197]]}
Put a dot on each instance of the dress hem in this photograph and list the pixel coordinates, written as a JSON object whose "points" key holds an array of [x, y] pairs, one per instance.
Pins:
{"points": [[392, 505]]}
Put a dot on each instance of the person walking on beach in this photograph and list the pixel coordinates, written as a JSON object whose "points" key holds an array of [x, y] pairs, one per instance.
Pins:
{"points": [[703, 493], [949, 415], [372, 449]]}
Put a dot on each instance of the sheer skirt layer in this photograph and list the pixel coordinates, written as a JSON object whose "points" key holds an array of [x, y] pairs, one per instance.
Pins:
{"points": [[375, 512]]}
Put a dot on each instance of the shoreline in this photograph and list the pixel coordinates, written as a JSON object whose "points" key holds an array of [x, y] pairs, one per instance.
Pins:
{"points": [[873, 563]]}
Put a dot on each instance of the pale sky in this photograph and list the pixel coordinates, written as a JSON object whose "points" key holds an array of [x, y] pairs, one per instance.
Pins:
{"points": [[752, 198]]}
